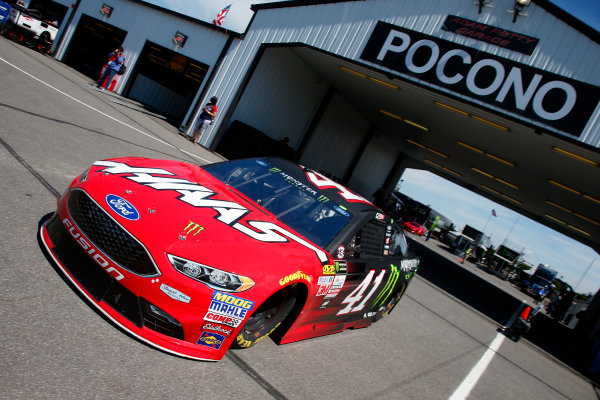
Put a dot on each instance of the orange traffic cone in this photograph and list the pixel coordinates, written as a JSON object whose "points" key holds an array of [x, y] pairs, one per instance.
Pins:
{"points": [[525, 313]]}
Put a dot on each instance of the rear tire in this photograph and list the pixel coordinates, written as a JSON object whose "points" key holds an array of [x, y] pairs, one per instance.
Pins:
{"points": [[266, 318], [389, 305]]}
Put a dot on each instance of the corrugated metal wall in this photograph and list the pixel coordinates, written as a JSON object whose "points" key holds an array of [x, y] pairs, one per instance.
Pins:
{"points": [[336, 139], [374, 166], [343, 29], [148, 24], [282, 96]]}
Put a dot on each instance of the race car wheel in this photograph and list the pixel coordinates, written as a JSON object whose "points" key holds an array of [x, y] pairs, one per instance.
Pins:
{"points": [[389, 305], [45, 36], [266, 318]]}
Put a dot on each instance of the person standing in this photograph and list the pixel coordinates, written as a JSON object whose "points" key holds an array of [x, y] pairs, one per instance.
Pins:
{"points": [[115, 60], [209, 111]]}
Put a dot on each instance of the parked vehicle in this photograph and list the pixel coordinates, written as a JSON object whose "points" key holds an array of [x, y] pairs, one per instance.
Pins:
{"points": [[539, 283], [413, 227], [27, 25]]}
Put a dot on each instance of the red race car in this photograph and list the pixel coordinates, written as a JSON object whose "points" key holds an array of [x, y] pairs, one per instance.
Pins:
{"points": [[193, 260], [413, 227]]}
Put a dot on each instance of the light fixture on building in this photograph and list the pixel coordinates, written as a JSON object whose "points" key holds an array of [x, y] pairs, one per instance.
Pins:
{"points": [[575, 156], [483, 3], [372, 79], [519, 5], [409, 122], [466, 114]]}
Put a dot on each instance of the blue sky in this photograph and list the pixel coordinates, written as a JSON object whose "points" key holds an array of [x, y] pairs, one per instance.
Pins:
{"points": [[539, 244]]}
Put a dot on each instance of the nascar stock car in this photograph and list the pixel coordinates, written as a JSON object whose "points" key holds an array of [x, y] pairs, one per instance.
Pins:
{"points": [[196, 259]]}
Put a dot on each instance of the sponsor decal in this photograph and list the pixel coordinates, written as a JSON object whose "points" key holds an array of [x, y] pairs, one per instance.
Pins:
{"points": [[174, 293], [336, 286], [409, 265], [212, 340], [196, 195], [223, 330], [325, 283], [231, 306], [341, 267], [326, 302], [379, 216], [388, 288], [490, 34], [341, 252], [91, 250], [341, 211], [328, 269], [222, 319], [296, 276], [548, 100], [122, 207], [193, 229]]}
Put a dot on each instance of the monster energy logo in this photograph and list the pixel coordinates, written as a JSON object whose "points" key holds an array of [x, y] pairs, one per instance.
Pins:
{"points": [[193, 227], [388, 288]]}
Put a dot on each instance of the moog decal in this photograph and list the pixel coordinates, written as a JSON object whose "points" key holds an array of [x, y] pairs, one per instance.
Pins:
{"points": [[194, 194]]}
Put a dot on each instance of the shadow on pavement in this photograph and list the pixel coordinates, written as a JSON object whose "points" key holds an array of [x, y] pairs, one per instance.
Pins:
{"points": [[562, 343]]}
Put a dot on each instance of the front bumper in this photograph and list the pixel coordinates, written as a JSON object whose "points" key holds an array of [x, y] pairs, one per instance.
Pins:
{"points": [[95, 277]]}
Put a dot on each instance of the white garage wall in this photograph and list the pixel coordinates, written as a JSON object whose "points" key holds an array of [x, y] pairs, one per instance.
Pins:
{"points": [[144, 23], [336, 139], [374, 166], [282, 96], [344, 28]]}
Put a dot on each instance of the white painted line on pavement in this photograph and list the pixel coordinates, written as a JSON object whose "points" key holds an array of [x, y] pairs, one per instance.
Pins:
{"points": [[101, 112], [463, 390]]}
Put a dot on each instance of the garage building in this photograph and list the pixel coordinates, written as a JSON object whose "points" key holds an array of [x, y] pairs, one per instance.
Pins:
{"points": [[498, 96]]}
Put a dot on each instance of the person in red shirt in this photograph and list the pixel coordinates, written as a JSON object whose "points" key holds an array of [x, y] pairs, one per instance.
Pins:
{"points": [[209, 111]]}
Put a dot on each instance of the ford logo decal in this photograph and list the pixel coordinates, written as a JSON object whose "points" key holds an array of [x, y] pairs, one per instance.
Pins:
{"points": [[122, 207]]}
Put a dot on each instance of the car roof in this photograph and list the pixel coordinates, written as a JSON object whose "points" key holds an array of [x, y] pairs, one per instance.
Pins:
{"points": [[334, 191]]}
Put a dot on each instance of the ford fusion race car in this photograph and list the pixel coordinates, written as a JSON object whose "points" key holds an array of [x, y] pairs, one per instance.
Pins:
{"points": [[194, 260]]}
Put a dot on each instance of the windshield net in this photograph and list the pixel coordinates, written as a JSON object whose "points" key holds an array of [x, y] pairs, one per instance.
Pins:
{"points": [[297, 205]]}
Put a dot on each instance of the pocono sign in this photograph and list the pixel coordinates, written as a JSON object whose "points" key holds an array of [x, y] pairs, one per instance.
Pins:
{"points": [[546, 99]]}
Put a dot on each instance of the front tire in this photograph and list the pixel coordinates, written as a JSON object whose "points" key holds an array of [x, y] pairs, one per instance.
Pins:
{"points": [[266, 318]]}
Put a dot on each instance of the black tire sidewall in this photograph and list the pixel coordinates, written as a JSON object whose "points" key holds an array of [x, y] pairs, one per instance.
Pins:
{"points": [[245, 338]]}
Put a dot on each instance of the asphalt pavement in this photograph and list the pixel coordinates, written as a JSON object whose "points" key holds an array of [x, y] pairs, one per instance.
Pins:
{"points": [[441, 341]]}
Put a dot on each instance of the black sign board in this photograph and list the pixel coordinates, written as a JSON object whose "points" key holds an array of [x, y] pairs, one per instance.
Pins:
{"points": [[507, 253], [106, 10], [490, 34], [179, 39], [544, 98]]}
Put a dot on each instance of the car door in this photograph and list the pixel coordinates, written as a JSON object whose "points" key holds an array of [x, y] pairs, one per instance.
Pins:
{"points": [[370, 269]]}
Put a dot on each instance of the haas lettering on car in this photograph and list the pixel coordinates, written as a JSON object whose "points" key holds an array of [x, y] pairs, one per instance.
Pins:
{"points": [[194, 194]]}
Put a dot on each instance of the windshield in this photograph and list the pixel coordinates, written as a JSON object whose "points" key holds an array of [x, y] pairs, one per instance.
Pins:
{"points": [[297, 205]]}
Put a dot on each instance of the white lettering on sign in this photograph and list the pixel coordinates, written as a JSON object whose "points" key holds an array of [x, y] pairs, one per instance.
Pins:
{"points": [[553, 101]]}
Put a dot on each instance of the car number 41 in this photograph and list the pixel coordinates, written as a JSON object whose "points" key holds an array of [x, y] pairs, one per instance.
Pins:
{"points": [[357, 294]]}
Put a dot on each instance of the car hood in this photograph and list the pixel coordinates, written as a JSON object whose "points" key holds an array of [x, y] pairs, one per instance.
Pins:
{"points": [[178, 208]]}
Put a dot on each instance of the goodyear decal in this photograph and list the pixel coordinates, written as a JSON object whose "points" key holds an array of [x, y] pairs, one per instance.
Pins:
{"points": [[296, 276], [389, 286], [212, 340], [231, 306]]}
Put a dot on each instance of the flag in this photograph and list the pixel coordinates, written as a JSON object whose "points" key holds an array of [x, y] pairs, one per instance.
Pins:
{"points": [[494, 213], [219, 19]]}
